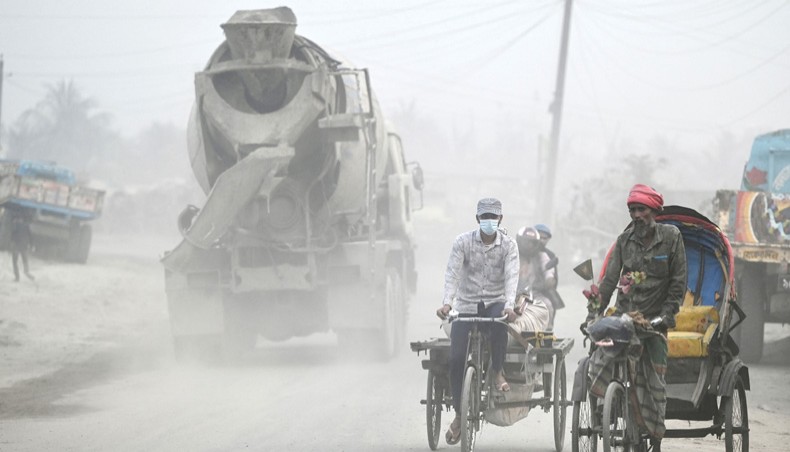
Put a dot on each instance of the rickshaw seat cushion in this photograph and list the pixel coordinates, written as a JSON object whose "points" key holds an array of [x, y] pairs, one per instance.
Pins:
{"points": [[695, 319], [690, 344]]}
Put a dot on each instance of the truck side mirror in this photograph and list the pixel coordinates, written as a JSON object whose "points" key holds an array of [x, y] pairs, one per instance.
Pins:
{"points": [[417, 175], [186, 217]]}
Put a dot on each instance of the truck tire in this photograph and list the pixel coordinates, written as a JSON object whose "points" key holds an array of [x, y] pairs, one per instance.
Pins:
{"points": [[240, 336], [85, 237], [206, 348], [79, 244], [391, 338], [384, 342], [752, 297]]}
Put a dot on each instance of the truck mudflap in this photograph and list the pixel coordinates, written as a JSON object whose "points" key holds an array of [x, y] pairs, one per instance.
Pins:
{"points": [[194, 310], [193, 284]]}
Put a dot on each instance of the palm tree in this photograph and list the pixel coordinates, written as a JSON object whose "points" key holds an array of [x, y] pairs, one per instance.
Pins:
{"points": [[62, 128]]}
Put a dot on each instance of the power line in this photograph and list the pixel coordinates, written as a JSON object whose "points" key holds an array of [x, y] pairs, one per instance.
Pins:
{"points": [[151, 51], [397, 37], [768, 102], [709, 86], [481, 62], [675, 29]]}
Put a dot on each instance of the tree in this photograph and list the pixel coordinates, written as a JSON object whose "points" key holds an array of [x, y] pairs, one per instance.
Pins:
{"points": [[63, 128], [597, 211]]}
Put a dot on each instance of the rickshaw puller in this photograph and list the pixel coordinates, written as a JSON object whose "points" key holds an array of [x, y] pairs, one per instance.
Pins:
{"points": [[656, 250], [481, 279]]}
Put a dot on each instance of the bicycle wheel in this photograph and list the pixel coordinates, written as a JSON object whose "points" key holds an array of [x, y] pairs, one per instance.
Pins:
{"points": [[583, 437], [736, 419], [434, 399], [470, 409], [560, 406], [614, 419]]}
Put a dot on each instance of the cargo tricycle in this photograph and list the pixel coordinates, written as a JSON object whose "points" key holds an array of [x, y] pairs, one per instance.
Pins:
{"points": [[534, 368]]}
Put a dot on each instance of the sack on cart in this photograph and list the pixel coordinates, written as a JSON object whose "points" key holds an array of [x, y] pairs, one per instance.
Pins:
{"points": [[507, 408], [502, 412], [535, 317]]}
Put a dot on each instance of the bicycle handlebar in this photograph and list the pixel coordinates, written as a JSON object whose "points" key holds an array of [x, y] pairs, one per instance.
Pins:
{"points": [[479, 319]]}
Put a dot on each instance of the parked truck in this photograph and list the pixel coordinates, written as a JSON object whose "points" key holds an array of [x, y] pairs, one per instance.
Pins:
{"points": [[56, 206], [307, 224], [757, 220]]}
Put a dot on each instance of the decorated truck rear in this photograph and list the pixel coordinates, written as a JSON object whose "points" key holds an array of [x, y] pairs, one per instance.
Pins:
{"points": [[57, 208], [757, 220]]}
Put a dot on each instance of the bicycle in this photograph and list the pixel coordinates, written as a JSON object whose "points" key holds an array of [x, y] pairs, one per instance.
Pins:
{"points": [[477, 384], [585, 421], [619, 428]]}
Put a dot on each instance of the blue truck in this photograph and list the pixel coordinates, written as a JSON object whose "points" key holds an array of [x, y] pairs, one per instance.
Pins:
{"points": [[56, 206], [756, 219]]}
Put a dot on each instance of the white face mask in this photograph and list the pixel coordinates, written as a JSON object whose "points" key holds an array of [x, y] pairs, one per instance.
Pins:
{"points": [[489, 226]]}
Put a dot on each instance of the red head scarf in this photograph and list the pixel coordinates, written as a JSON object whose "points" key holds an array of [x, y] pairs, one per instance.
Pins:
{"points": [[642, 194]]}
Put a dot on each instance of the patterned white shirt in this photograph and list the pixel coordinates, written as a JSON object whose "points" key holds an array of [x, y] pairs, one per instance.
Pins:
{"points": [[478, 272]]}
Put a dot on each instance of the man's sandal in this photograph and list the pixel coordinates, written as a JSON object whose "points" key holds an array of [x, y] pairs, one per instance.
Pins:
{"points": [[451, 437]]}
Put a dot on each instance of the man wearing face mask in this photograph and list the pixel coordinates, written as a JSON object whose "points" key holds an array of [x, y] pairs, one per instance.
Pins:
{"points": [[656, 251], [480, 280]]}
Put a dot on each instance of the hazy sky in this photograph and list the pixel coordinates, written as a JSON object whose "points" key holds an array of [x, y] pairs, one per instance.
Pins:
{"points": [[687, 70]]}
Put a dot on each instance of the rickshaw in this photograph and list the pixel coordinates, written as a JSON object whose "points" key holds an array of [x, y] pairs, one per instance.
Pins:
{"points": [[536, 363], [705, 378]]}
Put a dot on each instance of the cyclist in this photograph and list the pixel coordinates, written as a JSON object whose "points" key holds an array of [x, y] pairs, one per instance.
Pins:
{"points": [[480, 280], [656, 253]]}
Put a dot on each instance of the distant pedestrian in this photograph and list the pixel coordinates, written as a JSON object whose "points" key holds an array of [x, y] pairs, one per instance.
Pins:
{"points": [[21, 241]]}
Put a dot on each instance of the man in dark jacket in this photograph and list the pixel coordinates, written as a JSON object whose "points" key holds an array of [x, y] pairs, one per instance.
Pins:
{"points": [[648, 265], [21, 240]]}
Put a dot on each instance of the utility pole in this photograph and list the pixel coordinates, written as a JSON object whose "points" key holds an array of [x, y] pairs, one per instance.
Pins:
{"points": [[2, 76], [547, 206]]}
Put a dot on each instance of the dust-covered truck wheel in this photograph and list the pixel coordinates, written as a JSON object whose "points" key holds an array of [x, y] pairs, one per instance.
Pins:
{"points": [[200, 348], [383, 341], [751, 296], [79, 244]]}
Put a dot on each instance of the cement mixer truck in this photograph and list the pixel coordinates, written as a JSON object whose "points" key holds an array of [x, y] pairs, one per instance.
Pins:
{"points": [[307, 224]]}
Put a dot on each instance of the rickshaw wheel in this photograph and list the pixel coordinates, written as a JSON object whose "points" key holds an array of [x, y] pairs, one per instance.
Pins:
{"points": [[614, 419], [736, 419], [560, 405], [433, 409], [470, 409], [582, 419]]}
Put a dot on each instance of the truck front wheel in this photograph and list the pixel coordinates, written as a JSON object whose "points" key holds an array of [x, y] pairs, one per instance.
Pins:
{"points": [[752, 297], [79, 244]]}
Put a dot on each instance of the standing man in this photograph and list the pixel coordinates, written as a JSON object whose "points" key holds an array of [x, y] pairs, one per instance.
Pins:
{"points": [[21, 239], [480, 280], [657, 251]]}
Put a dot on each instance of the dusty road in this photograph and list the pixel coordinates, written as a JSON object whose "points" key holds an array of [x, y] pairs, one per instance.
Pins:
{"points": [[87, 365]]}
